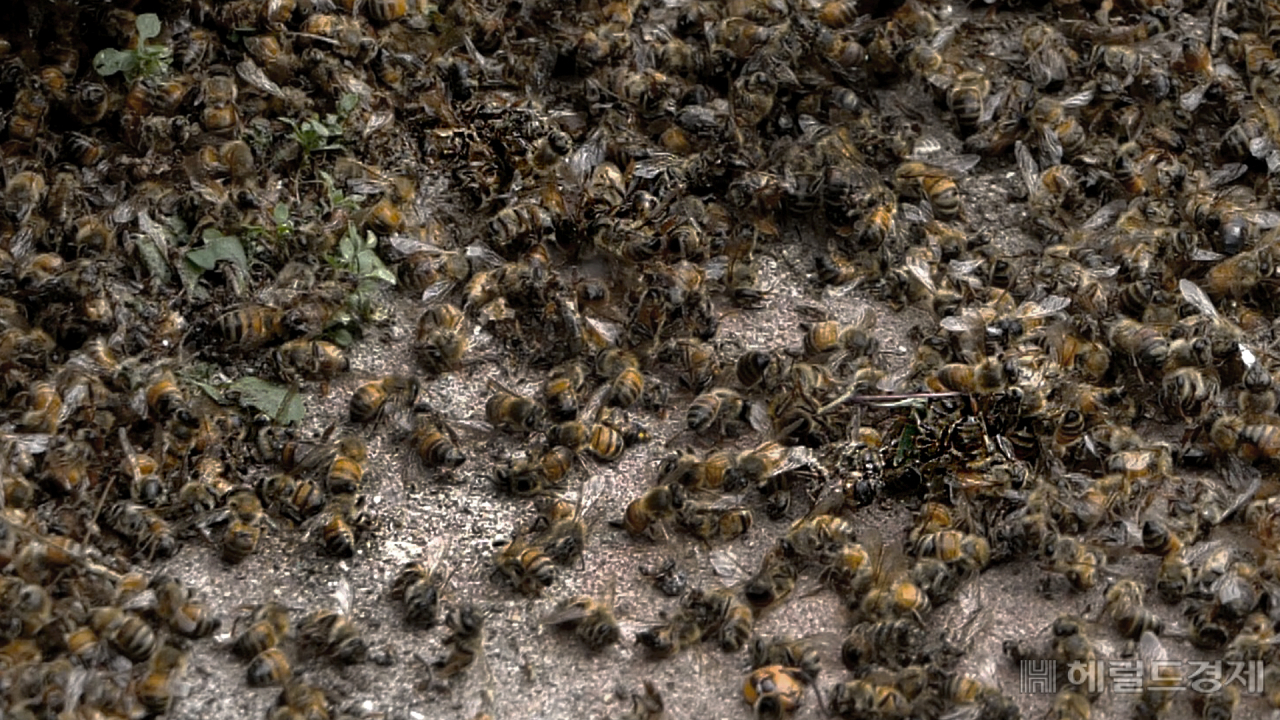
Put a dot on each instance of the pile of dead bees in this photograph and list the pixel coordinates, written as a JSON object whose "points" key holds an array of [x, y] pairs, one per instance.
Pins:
{"points": [[207, 204]]}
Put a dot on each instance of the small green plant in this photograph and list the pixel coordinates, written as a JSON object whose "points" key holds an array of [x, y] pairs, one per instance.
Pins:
{"points": [[359, 257], [147, 60], [338, 200], [316, 134]]}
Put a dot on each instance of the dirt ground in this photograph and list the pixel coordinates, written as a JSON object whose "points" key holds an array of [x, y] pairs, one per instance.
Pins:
{"points": [[535, 671]]}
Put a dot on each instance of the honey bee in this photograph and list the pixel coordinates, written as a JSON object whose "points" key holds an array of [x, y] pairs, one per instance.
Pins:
{"points": [[1218, 705], [244, 530], [772, 583], [774, 691], [1142, 343], [560, 392], [465, 640], [143, 528], [420, 585], [527, 568], [1189, 391], [758, 367], [127, 633], [1124, 604], [800, 654], [437, 445], [590, 620], [967, 552], [1080, 563], [342, 516], [1258, 400], [269, 625], [251, 326], [710, 523], [528, 477], [724, 408], [269, 667], [967, 100], [182, 612], [876, 693], [936, 183], [626, 383], [605, 443], [645, 514], [441, 344], [1058, 134], [312, 359], [1069, 704], [369, 401], [332, 632], [894, 643], [513, 412], [841, 343], [155, 690], [678, 631]]}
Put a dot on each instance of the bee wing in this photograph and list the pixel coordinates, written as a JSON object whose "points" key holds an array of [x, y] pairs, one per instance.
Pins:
{"points": [[919, 269], [583, 159], [926, 146], [1197, 297], [1105, 215], [131, 456], [1078, 100], [991, 104], [725, 565], [571, 613], [342, 596], [591, 492], [968, 320], [144, 600], [1225, 174], [717, 267], [1026, 166], [1264, 219], [34, 443], [1049, 306], [1051, 144], [959, 164], [249, 71]]}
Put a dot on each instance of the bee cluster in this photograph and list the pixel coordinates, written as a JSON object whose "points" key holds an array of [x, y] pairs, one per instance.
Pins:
{"points": [[212, 210]]}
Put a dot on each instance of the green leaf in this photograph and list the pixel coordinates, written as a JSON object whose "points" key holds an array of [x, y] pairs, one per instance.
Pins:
{"points": [[346, 249], [214, 393], [148, 26], [369, 265], [110, 61], [342, 338], [219, 247], [152, 258], [280, 213], [189, 274], [348, 102], [278, 401]]}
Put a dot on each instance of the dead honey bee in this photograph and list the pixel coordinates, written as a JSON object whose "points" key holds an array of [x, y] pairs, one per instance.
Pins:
{"points": [[269, 625], [560, 392], [1124, 604], [184, 614], [712, 523], [527, 568], [774, 691], [465, 640], [441, 342], [645, 514], [369, 401], [678, 631], [935, 183], [311, 359], [592, 621], [437, 445], [420, 585], [332, 633], [513, 412]]}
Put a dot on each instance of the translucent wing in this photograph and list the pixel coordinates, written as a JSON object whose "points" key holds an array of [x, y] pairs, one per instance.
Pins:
{"points": [[1197, 297]]}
